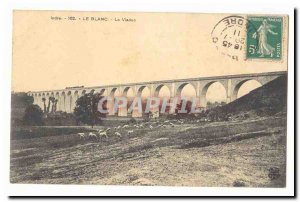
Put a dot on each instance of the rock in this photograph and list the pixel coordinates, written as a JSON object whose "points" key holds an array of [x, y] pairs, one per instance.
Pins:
{"points": [[239, 183], [274, 173]]}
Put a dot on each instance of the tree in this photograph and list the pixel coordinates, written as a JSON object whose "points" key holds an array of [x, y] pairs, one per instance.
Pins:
{"points": [[28, 100], [55, 104], [21, 99], [44, 101], [86, 109], [33, 115], [50, 100]]}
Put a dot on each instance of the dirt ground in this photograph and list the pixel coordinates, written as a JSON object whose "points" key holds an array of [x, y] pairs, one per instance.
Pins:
{"points": [[219, 154]]}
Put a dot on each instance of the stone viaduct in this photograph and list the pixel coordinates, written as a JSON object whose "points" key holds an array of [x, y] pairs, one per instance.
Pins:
{"points": [[231, 83]]}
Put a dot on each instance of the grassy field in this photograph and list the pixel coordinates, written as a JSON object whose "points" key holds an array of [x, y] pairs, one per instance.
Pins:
{"points": [[235, 153]]}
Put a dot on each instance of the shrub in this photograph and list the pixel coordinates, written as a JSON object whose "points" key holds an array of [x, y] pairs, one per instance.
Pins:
{"points": [[33, 115]]}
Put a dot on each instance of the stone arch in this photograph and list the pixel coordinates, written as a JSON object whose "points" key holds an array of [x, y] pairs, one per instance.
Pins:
{"points": [[39, 100], [92, 91], [50, 95], [157, 90], [68, 101], [123, 111], [159, 87], [62, 101], [238, 85], [140, 90], [203, 92], [101, 91], [57, 101], [126, 89], [74, 99], [181, 87], [113, 91], [139, 94]]}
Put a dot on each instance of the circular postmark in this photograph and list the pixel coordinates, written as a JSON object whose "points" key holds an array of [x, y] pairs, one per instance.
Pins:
{"points": [[229, 36]]}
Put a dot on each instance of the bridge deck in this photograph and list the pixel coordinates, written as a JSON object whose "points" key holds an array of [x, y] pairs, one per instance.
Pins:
{"points": [[174, 80]]}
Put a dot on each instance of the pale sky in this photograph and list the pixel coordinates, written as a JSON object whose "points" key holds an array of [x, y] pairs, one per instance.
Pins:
{"points": [[53, 54]]}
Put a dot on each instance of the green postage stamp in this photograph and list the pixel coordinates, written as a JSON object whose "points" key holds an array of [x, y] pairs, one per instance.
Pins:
{"points": [[264, 37]]}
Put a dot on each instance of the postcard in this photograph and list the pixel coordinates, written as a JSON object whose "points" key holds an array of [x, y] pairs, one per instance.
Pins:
{"points": [[149, 99]]}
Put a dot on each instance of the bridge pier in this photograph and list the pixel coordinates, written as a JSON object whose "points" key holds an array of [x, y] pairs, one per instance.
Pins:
{"points": [[122, 112], [136, 113], [110, 106]]}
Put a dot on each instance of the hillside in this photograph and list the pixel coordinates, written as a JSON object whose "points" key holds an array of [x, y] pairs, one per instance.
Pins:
{"points": [[268, 99]]}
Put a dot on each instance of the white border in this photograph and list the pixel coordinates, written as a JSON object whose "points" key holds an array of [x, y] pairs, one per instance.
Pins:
{"points": [[209, 6]]}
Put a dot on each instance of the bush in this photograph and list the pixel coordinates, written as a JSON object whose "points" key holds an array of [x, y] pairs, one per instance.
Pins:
{"points": [[33, 115]]}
